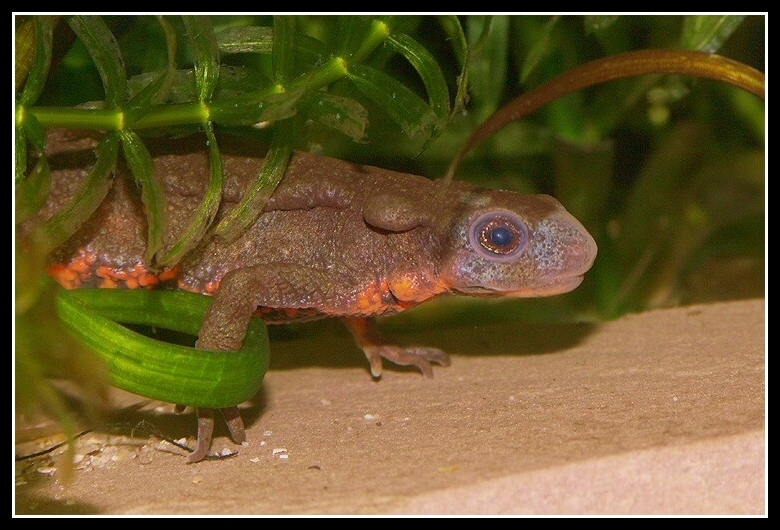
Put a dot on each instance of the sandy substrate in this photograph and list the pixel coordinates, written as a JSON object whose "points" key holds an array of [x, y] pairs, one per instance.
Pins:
{"points": [[656, 413]]}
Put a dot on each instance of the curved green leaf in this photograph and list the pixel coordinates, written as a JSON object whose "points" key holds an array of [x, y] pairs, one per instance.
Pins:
{"points": [[541, 48], [104, 50], [429, 70], [256, 107], [406, 108], [68, 219], [158, 370], [20, 154], [141, 103], [341, 113], [31, 132], [33, 191], [207, 210], [350, 34], [142, 167], [206, 52], [283, 51], [457, 39], [156, 90], [254, 200], [39, 68]]}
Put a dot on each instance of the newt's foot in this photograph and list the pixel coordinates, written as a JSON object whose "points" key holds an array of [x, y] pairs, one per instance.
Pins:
{"points": [[418, 356], [368, 339], [206, 430]]}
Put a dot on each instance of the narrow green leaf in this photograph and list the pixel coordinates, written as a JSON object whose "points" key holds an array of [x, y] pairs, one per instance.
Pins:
{"points": [[104, 50], [39, 69], [460, 47], [24, 50], [141, 103], [255, 39], [233, 81], [254, 200], [487, 64], [341, 113], [29, 132], [406, 108], [20, 155], [142, 167], [154, 88], [707, 33], [351, 31], [31, 194], [284, 46], [207, 210], [68, 219], [455, 36], [540, 49], [35, 133], [430, 73], [206, 52]]}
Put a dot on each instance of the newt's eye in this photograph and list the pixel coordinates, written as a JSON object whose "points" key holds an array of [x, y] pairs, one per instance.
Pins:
{"points": [[499, 235]]}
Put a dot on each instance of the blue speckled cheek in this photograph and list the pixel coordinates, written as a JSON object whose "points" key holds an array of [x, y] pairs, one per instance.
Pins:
{"points": [[561, 245], [475, 271], [551, 241]]}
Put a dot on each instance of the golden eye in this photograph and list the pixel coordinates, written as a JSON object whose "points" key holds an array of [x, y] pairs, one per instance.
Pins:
{"points": [[499, 235]]}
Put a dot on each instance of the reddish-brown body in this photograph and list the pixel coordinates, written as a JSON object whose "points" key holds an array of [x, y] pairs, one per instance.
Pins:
{"points": [[335, 239]]}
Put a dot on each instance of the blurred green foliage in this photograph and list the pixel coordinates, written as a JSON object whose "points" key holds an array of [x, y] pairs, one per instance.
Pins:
{"points": [[667, 172]]}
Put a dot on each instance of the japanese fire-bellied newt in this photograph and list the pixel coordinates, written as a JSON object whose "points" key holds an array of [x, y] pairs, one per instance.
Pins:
{"points": [[335, 240]]}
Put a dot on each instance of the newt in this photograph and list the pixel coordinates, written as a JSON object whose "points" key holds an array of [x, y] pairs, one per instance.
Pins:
{"points": [[336, 239]]}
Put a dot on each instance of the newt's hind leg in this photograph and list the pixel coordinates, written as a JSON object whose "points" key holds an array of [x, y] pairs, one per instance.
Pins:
{"points": [[368, 339]]}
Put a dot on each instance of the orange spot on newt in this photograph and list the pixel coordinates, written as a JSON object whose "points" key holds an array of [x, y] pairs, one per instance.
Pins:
{"points": [[104, 272], [66, 277], [170, 274], [374, 299], [413, 290], [148, 280], [108, 283]]}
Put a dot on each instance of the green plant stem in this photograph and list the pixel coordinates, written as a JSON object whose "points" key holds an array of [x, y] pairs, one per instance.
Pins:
{"points": [[376, 36], [113, 119]]}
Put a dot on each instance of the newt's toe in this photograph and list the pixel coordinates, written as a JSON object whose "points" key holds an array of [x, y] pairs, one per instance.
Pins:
{"points": [[421, 357], [205, 434], [234, 424]]}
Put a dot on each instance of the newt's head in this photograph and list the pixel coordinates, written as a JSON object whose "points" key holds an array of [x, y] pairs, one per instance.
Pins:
{"points": [[508, 244]]}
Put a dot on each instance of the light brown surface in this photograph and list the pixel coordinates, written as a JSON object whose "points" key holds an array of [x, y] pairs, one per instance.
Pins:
{"points": [[656, 413]]}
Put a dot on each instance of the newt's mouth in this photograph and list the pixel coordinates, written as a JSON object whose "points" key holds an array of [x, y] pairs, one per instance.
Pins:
{"points": [[558, 286], [555, 286]]}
